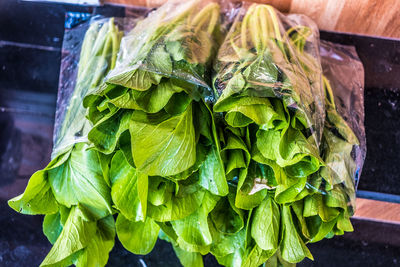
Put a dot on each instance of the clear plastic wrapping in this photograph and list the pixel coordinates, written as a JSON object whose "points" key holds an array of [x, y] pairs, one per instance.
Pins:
{"points": [[176, 41], [284, 137], [71, 125], [344, 71], [261, 38]]}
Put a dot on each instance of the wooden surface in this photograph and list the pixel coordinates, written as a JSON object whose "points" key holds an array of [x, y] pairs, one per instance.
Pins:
{"points": [[377, 210], [369, 17]]}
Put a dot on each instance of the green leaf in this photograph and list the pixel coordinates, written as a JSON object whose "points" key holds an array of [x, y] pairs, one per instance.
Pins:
{"points": [[97, 251], [344, 223], [212, 173], [310, 206], [292, 247], [289, 188], [278, 261], [125, 145], [340, 166], [227, 243], [105, 134], [265, 224], [262, 71], [231, 260], [226, 217], [161, 191], [187, 200], [267, 143], [136, 78], [189, 259], [193, 229], [152, 100], [74, 238], [164, 149], [256, 256], [318, 228], [325, 212], [253, 185], [137, 237], [298, 208], [246, 110], [105, 161], [128, 189], [52, 226], [80, 180], [37, 198]]}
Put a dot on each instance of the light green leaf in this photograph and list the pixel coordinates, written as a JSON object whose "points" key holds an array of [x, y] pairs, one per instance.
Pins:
{"points": [[292, 247], [188, 259], [75, 236], [128, 188], [212, 173], [265, 224], [193, 229], [256, 256], [97, 250], [137, 79], [52, 226], [37, 198], [159, 61], [164, 149], [137, 237], [80, 181], [187, 200], [105, 134]]}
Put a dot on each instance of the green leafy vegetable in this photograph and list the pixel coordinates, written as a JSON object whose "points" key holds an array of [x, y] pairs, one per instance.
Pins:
{"points": [[250, 170]]}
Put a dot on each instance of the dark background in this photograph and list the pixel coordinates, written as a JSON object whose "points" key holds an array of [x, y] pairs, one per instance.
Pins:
{"points": [[30, 50]]}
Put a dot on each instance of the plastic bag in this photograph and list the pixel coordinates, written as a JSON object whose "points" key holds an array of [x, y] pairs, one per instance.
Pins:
{"points": [[344, 71], [260, 38], [268, 79], [160, 82], [178, 40], [71, 125]]}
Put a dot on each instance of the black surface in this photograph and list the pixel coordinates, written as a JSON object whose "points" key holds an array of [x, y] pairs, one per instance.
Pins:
{"points": [[382, 123], [30, 43], [31, 35], [41, 23], [24, 68]]}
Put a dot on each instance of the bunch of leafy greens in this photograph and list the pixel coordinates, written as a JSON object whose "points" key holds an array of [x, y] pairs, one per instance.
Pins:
{"points": [[290, 186], [268, 170], [152, 118], [72, 191]]}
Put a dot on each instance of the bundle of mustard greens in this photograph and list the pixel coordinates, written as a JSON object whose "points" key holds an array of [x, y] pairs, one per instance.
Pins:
{"points": [[292, 176], [222, 143], [72, 191]]}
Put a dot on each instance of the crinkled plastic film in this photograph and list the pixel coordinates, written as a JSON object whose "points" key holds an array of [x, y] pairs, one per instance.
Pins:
{"points": [[294, 74], [178, 40], [71, 125], [327, 100], [344, 71]]}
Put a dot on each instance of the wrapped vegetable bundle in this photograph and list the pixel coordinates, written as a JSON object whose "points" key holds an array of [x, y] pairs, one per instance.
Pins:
{"points": [[271, 103], [249, 171], [152, 118], [72, 191], [291, 168]]}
